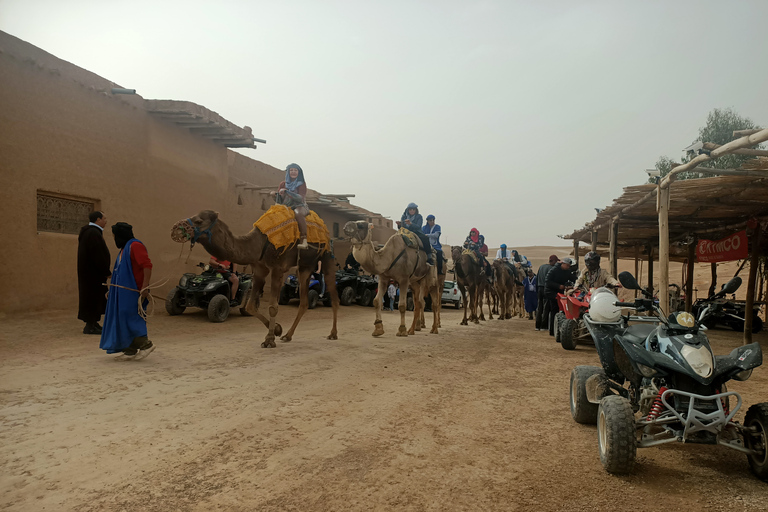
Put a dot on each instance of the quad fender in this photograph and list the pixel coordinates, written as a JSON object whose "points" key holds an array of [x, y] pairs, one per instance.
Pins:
{"points": [[741, 358]]}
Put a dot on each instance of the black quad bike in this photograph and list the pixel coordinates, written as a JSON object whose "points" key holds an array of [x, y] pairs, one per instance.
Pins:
{"points": [[661, 383], [317, 292], [210, 290], [726, 312], [355, 287]]}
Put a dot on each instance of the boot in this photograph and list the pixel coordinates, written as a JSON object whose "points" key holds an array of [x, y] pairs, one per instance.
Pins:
{"points": [[303, 244], [91, 328]]}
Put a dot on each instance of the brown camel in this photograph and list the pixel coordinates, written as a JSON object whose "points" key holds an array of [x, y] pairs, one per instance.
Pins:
{"points": [[470, 278], [504, 282], [405, 264], [255, 249]]}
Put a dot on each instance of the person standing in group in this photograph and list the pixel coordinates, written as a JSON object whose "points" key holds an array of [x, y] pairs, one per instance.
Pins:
{"points": [[391, 293], [292, 192], [530, 294], [125, 330], [559, 278], [433, 232], [541, 279], [93, 261]]}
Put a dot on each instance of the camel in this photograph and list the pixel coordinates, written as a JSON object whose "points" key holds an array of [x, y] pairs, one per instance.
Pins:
{"points": [[470, 278], [505, 278], [398, 261], [255, 249]]}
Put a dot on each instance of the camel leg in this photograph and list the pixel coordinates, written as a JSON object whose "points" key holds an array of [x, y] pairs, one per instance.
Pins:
{"points": [[260, 274], [303, 302], [401, 331], [378, 328], [489, 298], [437, 291], [329, 274], [275, 282], [473, 303], [418, 308], [464, 301], [480, 302]]}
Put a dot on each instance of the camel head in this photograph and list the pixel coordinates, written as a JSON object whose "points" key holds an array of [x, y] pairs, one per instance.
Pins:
{"points": [[196, 228], [358, 231], [456, 253]]}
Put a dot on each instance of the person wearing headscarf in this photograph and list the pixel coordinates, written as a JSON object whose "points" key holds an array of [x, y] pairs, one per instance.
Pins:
{"points": [[125, 330], [530, 293], [412, 221], [541, 278], [476, 242], [432, 231], [292, 192]]}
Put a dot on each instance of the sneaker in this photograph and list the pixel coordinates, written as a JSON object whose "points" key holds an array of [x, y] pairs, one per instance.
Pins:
{"points": [[145, 350], [303, 244], [127, 355]]}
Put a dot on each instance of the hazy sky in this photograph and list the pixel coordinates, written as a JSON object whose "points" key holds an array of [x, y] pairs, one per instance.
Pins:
{"points": [[518, 118]]}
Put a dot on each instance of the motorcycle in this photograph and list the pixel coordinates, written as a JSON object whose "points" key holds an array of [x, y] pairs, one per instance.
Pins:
{"points": [[660, 382], [720, 310]]}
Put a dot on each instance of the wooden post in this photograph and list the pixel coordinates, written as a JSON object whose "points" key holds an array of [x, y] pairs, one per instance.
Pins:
{"points": [[713, 267], [594, 240], [664, 249], [614, 235], [689, 276], [650, 268], [637, 261], [754, 262], [576, 250]]}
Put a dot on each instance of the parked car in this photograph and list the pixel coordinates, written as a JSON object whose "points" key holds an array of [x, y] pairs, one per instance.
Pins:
{"points": [[451, 294]]}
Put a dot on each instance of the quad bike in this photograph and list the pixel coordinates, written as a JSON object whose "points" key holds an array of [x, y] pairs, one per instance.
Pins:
{"points": [[317, 292], [210, 290], [354, 287], [727, 312], [661, 383], [570, 329]]}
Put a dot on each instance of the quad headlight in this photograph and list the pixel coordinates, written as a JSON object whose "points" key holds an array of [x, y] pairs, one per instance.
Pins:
{"points": [[183, 281], [647, 371], [210, 286]]}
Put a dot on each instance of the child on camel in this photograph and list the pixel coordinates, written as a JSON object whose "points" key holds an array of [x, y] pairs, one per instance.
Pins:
{"points": [[292, 192]]}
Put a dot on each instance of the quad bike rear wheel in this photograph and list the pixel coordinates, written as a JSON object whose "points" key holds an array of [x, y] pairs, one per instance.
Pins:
{"points": [[568, 334], [582, 410], [757, 419], [312, 297], [559, 319], [347, 295], [616, 435], [367, 298]]}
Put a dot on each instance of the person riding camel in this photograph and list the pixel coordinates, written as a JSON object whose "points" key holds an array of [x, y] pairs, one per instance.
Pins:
{"points": [[506, 256], [476, 243], [292, 192], [593, 276], [412, 221]]}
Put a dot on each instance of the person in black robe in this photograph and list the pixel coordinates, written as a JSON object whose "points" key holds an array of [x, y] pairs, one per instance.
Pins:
{"points": [[93, 263]]}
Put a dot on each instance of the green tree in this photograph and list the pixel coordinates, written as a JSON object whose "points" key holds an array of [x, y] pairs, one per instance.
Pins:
{"points": [[721, 123]]}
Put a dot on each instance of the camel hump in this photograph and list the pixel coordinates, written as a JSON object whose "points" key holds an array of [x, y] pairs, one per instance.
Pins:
{"points": [[471, 254]]}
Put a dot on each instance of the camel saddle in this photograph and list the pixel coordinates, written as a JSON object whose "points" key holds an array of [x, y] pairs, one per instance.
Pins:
{"points": [[282, 230], [472, 254], [410, 238]]}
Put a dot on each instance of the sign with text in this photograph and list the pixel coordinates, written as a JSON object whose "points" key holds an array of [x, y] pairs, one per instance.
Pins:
{"points": [[730, 248]]}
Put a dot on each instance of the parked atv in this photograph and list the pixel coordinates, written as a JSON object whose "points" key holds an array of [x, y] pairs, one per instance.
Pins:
{"points": [[355, 287], [727, 312], [661, 383], [210, 290], [317, 292], [570, 329]]}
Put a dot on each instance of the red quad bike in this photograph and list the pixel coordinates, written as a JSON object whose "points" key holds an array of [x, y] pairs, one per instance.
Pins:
{"points": [[570, 329]]}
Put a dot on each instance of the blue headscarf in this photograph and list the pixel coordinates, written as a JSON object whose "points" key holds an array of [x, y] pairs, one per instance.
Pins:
{"points": [[292, 185]]}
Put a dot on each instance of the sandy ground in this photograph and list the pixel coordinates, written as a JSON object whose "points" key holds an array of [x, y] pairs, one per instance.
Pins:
{"points": [[475, 418]]}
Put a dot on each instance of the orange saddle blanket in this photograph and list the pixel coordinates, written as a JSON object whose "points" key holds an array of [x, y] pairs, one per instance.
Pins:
{"points": [[279, 224]]}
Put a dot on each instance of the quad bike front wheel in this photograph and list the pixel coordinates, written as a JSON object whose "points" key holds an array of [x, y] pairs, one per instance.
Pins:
{"points": [[347, 295], [312, 297], [559, 319], [757, 440], [582, 410], [218, 309], [616, 435], [173, 302], [568, 334]]}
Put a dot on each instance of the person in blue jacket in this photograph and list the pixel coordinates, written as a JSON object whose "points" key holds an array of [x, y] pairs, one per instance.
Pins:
{"points": [[432, 231], [412, 221]]}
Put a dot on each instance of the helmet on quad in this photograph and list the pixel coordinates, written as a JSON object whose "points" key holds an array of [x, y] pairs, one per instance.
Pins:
{"points": [[602, 306], [592, 260]]}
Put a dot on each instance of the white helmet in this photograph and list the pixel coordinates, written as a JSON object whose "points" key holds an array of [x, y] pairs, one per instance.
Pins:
{"points": [[602, 308]]}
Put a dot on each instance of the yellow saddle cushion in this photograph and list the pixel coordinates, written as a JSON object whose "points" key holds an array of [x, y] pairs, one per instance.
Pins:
{"points": [[472, 254], [410, 238], [280, 226]]}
